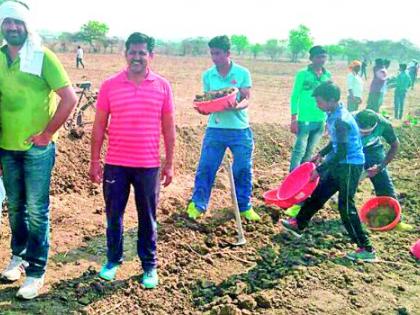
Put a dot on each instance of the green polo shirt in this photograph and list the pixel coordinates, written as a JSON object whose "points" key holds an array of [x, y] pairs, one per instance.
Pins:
{"points": [[303, 104], [239, 77], [27, 101]]}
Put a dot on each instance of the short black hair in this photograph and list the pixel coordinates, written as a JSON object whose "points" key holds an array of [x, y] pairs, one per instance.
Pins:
{"points": [[387, 63], [140, 38], [366, 118], [379, 62], [316, 51], [403, 66], [221, 42], [328, 91]]}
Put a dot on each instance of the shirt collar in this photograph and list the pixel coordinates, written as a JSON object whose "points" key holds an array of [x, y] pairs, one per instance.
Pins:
{"points": [[231, 70], [150, 76], [310, 69]]}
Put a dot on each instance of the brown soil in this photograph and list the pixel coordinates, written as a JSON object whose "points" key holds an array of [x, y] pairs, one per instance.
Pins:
{"points": [[200, 272]]}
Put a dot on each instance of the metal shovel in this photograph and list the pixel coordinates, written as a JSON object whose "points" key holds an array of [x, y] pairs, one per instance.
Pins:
{"points": [[241, 238]]}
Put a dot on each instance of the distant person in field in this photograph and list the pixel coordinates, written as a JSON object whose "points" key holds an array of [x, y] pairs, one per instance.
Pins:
{"points": [[307, 120], [340, 170], [378, 86], [29, 119], [226, 130], [363, 71], [354, 86], [79, 57], [373, 127], [135, 106], [402, 85], [413, 70]]}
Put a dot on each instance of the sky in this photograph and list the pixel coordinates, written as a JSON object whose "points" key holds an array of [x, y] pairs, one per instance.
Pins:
{"points": [[328, 20]]}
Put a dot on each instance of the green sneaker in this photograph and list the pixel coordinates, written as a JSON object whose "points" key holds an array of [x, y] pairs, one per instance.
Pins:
{"points": [[250, 215], [150, 279], [108, 271], [193, 212], [362, 254], [404, 227], [293, 211]]}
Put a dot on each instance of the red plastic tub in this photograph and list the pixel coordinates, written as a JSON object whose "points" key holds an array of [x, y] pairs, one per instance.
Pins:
{"points": [[218, 104], [296, 187], [270, 199], [415, 249], [381, 201]]}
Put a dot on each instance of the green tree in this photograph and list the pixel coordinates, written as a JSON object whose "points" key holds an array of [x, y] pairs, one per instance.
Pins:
{"points": [[256, 50], [240, 42], [92, 32], [274, 48], [300, 41], [334, 51]]}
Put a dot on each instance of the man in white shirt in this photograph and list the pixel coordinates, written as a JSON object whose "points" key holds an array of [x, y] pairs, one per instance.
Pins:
{"points": [[354, 86], [79, 57]]}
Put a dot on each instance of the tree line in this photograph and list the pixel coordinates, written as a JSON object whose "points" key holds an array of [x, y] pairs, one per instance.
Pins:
{"points": [[94, 34]]}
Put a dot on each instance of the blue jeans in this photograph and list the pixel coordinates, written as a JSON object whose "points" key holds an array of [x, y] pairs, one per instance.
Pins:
{"points": [[27, 177], [117, 182], [216, 141], [307, 138], [399, 99], [382, 182]]}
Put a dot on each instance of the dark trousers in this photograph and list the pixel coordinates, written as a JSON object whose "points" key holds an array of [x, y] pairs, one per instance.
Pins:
{"points": [[117, 182], [343, 179], [79, 61]]}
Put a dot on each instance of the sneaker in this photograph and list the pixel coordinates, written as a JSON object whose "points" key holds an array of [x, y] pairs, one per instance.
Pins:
{"points": [[30, 288], [404, 227], [15, 268], [108, 271], [362, 255], [291, 226], [193, 212], [293, 211], [150, 279], [251, 215]]}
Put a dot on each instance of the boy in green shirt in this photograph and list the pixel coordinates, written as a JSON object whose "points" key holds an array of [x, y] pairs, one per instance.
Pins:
{"points": [[307, 120]]}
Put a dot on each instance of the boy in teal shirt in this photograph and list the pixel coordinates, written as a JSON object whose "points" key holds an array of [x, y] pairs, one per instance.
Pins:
{"points": [[227, 129]]}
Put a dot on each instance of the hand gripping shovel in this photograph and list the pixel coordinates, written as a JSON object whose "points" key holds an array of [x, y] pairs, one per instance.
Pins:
{"points": [[241, 238]]}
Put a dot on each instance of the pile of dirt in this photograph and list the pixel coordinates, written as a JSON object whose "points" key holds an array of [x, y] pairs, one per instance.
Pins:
{"points": [[200, 272]]}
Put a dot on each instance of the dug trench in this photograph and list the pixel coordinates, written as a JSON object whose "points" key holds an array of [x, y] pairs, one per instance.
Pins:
{"points": [[199, 271]]}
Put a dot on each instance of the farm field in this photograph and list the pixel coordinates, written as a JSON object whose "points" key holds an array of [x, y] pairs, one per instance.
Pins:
{"points": [[199, 271]]}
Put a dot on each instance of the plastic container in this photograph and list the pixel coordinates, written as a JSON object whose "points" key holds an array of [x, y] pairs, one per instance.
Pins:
{"points": [[270, 199], [218, 104], [381, 201], [297, 186], [415, 249]]}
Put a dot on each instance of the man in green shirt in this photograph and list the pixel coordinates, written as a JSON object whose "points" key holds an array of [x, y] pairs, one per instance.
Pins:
{"points": [[29, 118], [373, 127], [307, 120]]}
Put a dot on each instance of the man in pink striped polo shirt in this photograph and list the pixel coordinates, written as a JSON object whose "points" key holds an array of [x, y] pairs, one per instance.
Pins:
{"points": [[135, 105]]}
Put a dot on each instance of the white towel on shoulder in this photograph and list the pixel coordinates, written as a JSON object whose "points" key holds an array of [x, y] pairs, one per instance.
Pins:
{"points": [[31, 54]]}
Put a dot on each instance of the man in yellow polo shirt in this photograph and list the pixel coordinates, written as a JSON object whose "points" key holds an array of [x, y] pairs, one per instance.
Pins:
{"points": [[29, 119]]}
